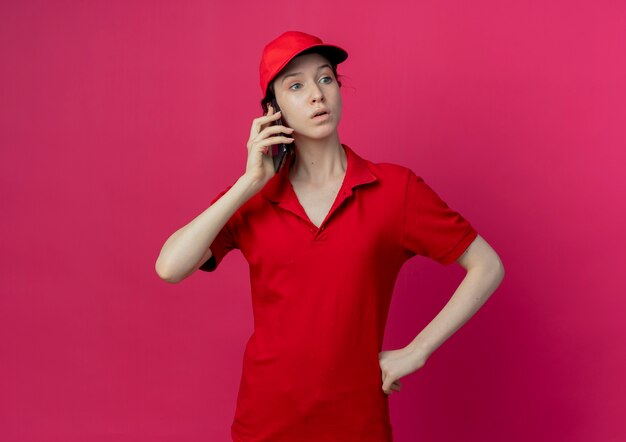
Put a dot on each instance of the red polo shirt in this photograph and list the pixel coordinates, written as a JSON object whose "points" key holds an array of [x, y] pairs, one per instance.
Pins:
{"points": [[320, 299]]}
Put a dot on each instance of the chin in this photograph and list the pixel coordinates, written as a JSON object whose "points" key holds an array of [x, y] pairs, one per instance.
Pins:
{"points": [[319, 132], [317, 135]]}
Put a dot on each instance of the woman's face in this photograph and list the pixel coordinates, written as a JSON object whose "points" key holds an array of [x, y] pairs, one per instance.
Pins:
{"points": [[305, 86]]}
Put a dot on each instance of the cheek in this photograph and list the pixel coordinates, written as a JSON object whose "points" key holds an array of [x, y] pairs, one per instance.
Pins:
{"points": [[294, 113]]}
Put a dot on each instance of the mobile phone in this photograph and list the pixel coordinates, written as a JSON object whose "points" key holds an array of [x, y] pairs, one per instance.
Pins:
{"points": [[281, 151]]}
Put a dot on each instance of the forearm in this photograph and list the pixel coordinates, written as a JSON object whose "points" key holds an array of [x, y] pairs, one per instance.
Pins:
{"points": [[477, 286], [184, 249]]}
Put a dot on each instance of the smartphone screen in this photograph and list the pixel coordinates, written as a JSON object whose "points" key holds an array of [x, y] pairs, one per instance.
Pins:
{"points": [[280, 151]]}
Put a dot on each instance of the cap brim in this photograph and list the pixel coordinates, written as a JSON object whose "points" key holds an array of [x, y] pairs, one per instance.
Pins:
{"points": [[335, 54]]}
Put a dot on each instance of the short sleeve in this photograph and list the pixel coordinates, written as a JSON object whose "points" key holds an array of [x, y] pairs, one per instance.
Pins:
{"points": [[223, 243], [431, 228]]}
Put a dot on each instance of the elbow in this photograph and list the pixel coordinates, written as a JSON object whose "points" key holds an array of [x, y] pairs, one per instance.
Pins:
{"points": [[481, 259], [164, 273], [491, 267], [495, 268], [500, 271]]}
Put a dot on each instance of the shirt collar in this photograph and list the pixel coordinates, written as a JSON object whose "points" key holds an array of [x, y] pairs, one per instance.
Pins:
{"points": [[277, 189]]}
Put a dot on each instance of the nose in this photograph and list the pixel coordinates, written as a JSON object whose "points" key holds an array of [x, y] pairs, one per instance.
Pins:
{"points": [[316, 94]]}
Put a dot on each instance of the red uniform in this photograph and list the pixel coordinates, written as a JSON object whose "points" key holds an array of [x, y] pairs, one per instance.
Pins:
{"points": [[321, 296]]}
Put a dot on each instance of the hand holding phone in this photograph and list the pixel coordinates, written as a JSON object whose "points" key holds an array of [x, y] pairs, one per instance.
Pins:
{"points": [[280, 151], [264, 133]]}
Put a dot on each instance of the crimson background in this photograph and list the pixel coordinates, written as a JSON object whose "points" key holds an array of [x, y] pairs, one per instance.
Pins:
{"points": [[121, 120]]}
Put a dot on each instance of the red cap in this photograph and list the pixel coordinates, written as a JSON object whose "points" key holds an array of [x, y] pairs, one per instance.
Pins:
{"points": [[284, 48]]}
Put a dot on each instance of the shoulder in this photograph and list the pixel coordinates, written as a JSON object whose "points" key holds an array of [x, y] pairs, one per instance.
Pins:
{"points": [[392, 173], [389, 176]]}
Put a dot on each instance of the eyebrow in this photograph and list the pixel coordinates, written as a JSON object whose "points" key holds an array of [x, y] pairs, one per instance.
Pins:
{"points": [[298, 73]]}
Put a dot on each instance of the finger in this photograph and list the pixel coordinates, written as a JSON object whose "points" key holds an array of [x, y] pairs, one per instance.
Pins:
{"points": [[273, 140], [271, 115], [386, 388], [259, 122], [276, 129]]}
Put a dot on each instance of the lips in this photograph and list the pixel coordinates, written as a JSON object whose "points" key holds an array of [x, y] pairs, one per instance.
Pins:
{"points": [[319, 112]]}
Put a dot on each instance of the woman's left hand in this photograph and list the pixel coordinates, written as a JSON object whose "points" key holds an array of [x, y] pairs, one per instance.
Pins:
{"points": [[394, 364]]}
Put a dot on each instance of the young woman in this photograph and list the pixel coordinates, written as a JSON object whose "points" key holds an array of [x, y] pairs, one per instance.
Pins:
{"points": [[325, 238]]}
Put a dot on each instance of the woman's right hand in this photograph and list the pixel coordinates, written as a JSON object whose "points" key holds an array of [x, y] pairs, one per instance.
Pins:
{"points": [[260, 166]]}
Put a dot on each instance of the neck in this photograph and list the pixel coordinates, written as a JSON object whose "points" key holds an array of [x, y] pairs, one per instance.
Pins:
{"points": [[318, 161]]}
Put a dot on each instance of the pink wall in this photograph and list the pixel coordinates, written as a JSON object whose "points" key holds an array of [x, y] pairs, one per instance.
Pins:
{"points": [[121, 120]]}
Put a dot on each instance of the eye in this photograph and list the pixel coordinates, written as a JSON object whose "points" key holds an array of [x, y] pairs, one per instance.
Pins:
{"points": [[326, 77]]}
